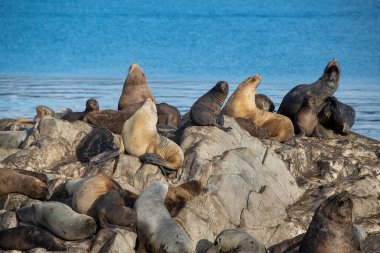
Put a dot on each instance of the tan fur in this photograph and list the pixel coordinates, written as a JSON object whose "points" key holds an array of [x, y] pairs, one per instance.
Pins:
{"points": [[135, 89], [242, 105], [140, 137], [87, 191]]}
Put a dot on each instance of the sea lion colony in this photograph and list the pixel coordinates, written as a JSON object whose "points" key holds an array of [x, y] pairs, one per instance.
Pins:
{"points": [[99, 201]]}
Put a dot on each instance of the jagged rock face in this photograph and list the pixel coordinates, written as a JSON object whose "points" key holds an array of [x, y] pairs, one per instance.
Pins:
{"points": [[263, 187]]}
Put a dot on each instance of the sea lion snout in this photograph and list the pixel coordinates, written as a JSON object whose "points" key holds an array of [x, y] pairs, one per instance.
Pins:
{"points": [[333, 70]]}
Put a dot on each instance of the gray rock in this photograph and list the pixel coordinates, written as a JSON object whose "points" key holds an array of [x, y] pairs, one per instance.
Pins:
{"points": [[11, 139], [114, 240], [8, 219]]}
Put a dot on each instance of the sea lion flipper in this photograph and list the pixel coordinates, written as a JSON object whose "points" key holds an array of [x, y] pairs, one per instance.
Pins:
{"points": [[107, 156], [156, 159]]}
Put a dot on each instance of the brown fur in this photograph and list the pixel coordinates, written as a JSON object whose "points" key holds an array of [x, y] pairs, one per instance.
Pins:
{"points": [[287, 245], [331, 229], [135, 90], [177, 196], [263, 102], [23, 182], [25, 238], [168, 115], [242, 105], [111, 119], [306, 121]]}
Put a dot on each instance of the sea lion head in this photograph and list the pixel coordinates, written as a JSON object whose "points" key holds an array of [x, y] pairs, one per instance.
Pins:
{"points": [[309, 101], [332, 71], [251, 82], [340, 116], [135, 75], [149, 105], [42, 111], [220, 91], [337, 208], [92, 105]]}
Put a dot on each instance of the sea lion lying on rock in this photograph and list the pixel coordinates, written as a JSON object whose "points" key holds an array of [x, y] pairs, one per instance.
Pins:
{"points": [[91, 105], [263, 102]]}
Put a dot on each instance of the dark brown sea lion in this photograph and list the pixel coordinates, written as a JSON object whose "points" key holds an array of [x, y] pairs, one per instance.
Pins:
{"points": [[287, 245], [26, 237], [168, 115], [135, 90], [331, 229], [141, 139], [111, 119], [206, 111], [306, 121], [19, 182], [337, 116], [91, 105], [323, 88], [263, 102], [178, 196], [242, 104]]}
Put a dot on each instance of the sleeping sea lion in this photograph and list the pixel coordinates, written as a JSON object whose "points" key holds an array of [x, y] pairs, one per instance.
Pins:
{"points": [[263, 102], [234, 240], [323, 88], [27, 237], [168, 115], [206, 111], [242, 104], [59, 218], [156, 230], [337, 116]]}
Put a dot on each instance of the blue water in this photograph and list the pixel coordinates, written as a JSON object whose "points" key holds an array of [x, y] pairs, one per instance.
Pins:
{"points": [[60, 53]]}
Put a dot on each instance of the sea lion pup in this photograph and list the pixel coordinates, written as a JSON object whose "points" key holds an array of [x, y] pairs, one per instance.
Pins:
{"points": [[263, 102], [306, 121], [323, 88], [331, 230], [141, 139], [24, 182], [155, 228], [177, 196], [91, 105], [233, 240], [25, 238], [135, 90], [59, 218], [102, 198], [242, 105], [337, 116], [206, 111], [168, 115]]}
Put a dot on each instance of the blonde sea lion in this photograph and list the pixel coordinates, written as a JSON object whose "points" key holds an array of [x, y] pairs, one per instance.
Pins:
{"points": [[59, 218], [321, 89], [242, 105], [24, 182], [155, 228], [141, 139], [26, 237]]}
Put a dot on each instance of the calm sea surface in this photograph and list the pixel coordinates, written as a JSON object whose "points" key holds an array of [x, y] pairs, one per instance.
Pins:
{"points": [[60, 53]]}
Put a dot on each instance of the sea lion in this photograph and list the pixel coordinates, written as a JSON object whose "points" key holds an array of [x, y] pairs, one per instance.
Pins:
{"points": [[233, 240], [177, 196], [111, 119], [252, 129], [91, 105], [102, 198], [24, 182], [242, 105], [263, 102], [26, 237], [141, 139], [331, 230], [135, 90], [168, 115], [323, 88], [155, 228], [306, 121], [206, 111], [337, 116], [59, 218], [43, 111]]}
